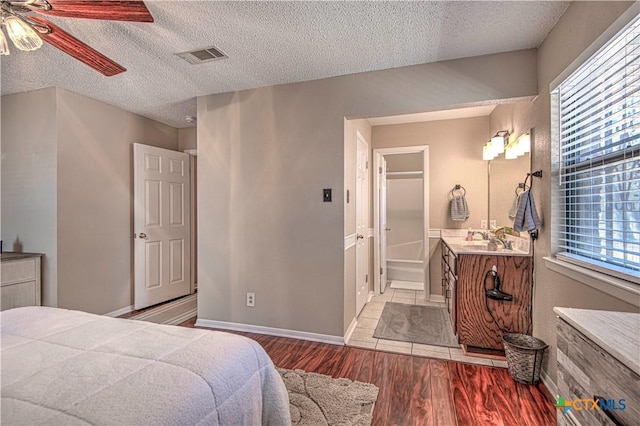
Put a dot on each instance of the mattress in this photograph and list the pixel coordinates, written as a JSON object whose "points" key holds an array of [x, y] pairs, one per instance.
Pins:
{"points": [[69, 367]]}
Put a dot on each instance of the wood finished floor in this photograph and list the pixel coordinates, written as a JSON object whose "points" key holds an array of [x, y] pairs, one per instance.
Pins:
{"points": [[416, 390]]}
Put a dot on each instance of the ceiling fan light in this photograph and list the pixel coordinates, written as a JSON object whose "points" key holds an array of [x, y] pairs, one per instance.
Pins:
{"points": [[22, 34], [4, 45]]}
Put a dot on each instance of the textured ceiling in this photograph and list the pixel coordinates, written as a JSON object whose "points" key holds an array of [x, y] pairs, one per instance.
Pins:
{"points": [[271, 43]]}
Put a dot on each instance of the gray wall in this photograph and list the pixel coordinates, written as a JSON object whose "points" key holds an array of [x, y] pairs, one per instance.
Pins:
{"points": [[581, 24], [455, 157], [29, 180], [264, 157], [76, 183]]}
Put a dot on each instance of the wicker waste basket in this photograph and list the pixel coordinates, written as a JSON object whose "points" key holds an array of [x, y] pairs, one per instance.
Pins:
{"points": [[524, 357]]}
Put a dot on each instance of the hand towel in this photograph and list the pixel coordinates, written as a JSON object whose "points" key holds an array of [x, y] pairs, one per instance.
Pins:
{"points": [[459, 208], [526, 217], [514, 207]]}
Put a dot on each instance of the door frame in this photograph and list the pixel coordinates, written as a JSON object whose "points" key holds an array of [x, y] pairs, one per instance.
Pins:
{"points": [[367, 209], [377, 154]]}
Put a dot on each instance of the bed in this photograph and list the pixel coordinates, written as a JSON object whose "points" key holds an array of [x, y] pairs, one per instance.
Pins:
{"points": [[69, 367]]}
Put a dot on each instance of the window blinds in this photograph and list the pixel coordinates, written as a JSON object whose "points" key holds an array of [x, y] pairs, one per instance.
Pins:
{"points": [[599, 131]]}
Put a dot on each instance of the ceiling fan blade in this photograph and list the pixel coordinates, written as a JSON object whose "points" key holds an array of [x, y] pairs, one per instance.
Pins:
{"points": [[112, 10], [70, 45]]}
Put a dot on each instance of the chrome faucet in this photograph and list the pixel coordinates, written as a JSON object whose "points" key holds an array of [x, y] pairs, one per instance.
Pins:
{"points": [[485, 235], [508, 245]]}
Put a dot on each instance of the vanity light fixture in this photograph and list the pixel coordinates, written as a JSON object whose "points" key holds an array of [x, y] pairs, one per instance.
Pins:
{"points": [[518, 147], [495, 146], [498, 141]]}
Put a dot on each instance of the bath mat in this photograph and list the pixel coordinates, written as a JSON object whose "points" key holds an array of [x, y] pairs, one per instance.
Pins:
{"points": [[316, 399], [428, 325]]}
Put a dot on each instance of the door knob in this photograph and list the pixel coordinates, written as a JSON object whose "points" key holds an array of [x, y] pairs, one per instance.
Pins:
{"points": [[142, 235], [360, 236]]}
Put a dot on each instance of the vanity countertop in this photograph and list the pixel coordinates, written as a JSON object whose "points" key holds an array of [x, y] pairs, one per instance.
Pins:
{"points": [[616, 332], [16, 256], [456, 240]]}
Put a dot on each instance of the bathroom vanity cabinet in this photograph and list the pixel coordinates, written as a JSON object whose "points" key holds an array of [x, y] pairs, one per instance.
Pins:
{"points": [[449, 280], [479, 321]]}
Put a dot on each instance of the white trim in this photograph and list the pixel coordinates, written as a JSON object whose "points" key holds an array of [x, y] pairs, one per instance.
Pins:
{"points": [[349, 241], [438, 298], [370, 296], [370, 233], [427, 232], [548, 383], [350, 330], [612, 286], [271, 331], [182, 318], [597, 44], [120, 311], [193, 152], [377, 160]]}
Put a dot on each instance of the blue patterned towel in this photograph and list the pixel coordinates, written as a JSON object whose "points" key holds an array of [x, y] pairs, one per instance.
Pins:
{"points": [[526, 217]]}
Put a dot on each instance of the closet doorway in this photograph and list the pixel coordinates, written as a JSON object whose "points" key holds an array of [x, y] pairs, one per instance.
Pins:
{"points": [[401, 218]]}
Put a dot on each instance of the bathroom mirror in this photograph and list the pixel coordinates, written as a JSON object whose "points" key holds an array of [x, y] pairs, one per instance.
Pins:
{"points": [[504, 177]]}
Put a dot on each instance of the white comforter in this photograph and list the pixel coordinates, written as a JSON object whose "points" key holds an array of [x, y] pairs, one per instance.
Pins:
{"points": [[69, 367]]}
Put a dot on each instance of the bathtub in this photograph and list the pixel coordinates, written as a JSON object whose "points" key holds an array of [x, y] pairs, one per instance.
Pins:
{"points": [[405, 262]]}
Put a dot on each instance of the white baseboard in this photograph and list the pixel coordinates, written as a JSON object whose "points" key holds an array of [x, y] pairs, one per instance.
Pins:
{"points": [[350, 330], [271, 331], [436, 298], [370, 296], [120, 311], [548, 383], [182, 318]]}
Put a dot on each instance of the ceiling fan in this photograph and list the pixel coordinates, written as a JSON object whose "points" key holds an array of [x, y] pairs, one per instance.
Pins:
{"points": [[27, 31]]}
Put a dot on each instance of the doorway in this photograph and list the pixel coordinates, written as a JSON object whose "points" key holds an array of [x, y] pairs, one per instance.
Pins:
{"points": [[401, 201]]}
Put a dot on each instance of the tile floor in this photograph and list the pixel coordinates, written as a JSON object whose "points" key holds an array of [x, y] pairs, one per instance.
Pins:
{"points": [[362, 336]]}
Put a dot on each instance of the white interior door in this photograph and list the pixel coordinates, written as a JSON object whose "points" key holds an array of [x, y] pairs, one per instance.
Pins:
{"points": [[383, 223], [362, 214], [161, 225]]}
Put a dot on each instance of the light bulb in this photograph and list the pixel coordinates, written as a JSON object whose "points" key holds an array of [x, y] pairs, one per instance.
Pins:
{"points": [[511, 152], [4, 46], [525, 143], [21, 33], [497, 143], [487, 152]]}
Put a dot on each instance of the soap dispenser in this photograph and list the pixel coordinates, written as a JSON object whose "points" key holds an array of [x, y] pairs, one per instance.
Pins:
{"points": [[469, 235]]}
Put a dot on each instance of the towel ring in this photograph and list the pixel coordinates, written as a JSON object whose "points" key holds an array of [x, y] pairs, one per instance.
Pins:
{"points": [[458, 187]]}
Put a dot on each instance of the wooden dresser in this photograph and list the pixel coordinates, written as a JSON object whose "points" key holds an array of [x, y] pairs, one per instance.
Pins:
{"points": [[598, 356], [21, 280]]}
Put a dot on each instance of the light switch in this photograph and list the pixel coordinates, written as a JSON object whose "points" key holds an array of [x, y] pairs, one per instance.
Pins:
{"points": [[326, 195]]}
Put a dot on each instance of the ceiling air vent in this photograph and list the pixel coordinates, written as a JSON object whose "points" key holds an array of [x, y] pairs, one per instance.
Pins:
{"points": [[201, 56]]}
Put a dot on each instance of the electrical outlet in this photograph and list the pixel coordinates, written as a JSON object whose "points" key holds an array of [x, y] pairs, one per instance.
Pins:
{"points": [[493, 225], [251, 299], [483, 224]]}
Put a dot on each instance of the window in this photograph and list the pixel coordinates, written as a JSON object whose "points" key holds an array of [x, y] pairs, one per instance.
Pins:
{"points": [[597, 129]]}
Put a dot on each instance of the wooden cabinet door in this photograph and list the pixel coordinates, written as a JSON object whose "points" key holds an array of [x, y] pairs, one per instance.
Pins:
{"points": [[476, 325]]}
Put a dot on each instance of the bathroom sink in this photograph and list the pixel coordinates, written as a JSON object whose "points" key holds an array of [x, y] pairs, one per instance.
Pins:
{"points": [[479, 246], [475, 243]]}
